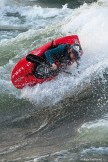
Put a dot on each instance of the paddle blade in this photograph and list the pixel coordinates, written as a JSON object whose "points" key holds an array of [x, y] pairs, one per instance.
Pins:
{"points": [[33, 58]]}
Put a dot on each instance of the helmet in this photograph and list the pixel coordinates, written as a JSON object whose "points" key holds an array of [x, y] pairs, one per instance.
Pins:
{"points": [[75, 48], [76, 51]]}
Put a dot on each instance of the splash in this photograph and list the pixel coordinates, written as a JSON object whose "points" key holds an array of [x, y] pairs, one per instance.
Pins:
{"points": [[92, 32], [93, 35], [3, 3]]}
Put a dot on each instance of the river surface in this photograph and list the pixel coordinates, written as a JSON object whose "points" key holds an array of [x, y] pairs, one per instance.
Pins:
{"points": [[66, 119]]}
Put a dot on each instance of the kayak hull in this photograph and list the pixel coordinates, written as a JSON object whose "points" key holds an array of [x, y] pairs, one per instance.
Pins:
{"points": [[22, 74]]}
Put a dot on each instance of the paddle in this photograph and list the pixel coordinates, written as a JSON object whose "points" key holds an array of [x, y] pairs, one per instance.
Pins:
{"points": [[34, 59], [67, 72]]}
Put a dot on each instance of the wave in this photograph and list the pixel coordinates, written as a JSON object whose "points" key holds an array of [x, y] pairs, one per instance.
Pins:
{"points": [[94, 59], [47, 3], [72, 104]]}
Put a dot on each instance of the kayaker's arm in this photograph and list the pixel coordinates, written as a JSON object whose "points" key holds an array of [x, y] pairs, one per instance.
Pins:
{"points": [[49, 56], [54, 53]]}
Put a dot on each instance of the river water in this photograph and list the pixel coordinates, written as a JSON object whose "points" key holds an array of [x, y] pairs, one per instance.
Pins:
{"points": [[66, 119]]}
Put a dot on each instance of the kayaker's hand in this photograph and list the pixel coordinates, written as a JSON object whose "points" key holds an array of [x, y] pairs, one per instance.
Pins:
{"points": [[54, 67]]}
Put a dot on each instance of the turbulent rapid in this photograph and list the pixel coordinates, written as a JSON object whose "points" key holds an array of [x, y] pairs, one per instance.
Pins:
{"points": [[65, 119]]}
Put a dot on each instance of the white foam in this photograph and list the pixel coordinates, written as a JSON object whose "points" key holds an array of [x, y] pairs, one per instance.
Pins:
{"points": [[100, 150], [34, 16], [93, 34], [104, 2], [3, 3], [101, 124]]}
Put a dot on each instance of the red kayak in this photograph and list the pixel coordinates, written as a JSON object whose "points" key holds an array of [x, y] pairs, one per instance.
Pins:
{"points": [[22, 74]]}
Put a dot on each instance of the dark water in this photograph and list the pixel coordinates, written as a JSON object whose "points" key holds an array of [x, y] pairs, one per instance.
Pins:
{"points": [[55, 128], [65, 119], [59, 3], [51, 3]]}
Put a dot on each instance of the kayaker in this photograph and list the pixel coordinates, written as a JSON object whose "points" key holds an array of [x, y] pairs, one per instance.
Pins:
{"points": [[63, 53]]}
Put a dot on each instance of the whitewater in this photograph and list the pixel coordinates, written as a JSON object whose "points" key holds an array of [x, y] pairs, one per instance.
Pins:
{"points": [[65, 119]]}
